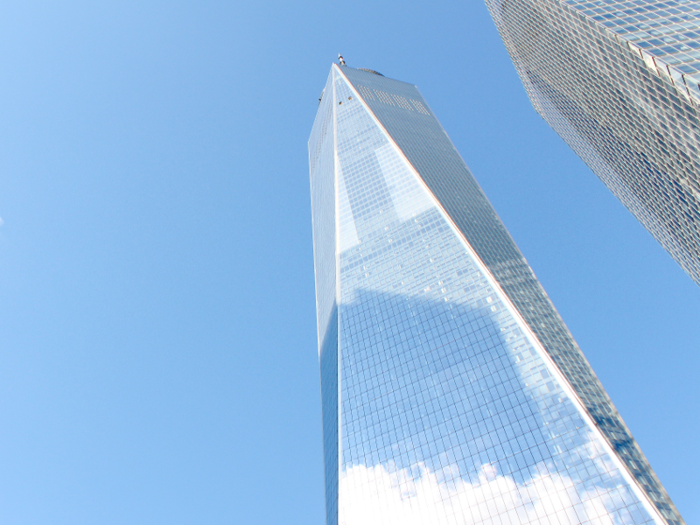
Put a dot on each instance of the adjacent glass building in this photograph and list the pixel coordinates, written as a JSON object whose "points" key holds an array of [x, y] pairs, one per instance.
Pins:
{"points": [[618, 81], [453, 393]]}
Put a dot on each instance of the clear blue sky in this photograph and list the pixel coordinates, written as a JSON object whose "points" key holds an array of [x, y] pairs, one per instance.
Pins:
{"points": [[158, 359]]}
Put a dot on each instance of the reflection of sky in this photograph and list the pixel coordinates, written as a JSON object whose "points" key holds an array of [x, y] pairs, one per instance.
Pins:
{"points": [[669, 30], [321, 162], [443, 398], [384, 495]]}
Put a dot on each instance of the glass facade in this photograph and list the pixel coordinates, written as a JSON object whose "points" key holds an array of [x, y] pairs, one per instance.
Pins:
{"points": [[452, 391], [618, 81]]}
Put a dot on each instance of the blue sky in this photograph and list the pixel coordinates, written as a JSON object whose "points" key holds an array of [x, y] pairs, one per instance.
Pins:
{"points": [[158, 359]]}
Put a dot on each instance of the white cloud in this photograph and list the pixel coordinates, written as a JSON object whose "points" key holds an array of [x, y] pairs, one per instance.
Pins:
{"points": [[382, 495]]}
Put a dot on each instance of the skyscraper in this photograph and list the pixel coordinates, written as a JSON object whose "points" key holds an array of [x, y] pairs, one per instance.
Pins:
{"points": [[618, 81], [452, 391]]}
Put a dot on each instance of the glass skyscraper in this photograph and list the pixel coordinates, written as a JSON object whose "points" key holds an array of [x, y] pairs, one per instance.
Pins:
{"points": [[452, 391], [618, 81]]}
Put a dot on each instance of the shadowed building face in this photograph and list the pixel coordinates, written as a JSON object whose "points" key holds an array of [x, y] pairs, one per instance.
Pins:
{"points": [[452, 391], [618, 81]]}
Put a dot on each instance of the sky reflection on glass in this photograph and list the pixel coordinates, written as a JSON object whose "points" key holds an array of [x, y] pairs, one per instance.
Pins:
{"points": [[440, 404]]}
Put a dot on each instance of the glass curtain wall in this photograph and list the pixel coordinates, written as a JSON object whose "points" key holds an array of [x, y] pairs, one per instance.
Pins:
{"points": [[618, 81], [441, 403]]}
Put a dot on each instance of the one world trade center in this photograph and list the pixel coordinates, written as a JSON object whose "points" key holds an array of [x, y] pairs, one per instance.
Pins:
{"points": [[452, 391]]}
